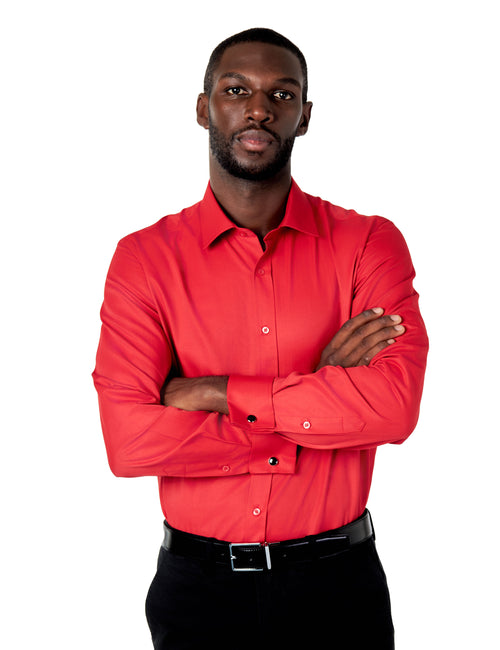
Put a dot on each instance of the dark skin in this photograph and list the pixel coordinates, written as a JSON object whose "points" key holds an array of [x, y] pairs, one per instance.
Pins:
{"points": [[256, 86], [255, 104]]}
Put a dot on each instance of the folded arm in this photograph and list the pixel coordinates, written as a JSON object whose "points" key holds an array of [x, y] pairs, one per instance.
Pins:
{"points": [[364, 391], [142, 437], [348, 403], [355, 344], [366, 387]]}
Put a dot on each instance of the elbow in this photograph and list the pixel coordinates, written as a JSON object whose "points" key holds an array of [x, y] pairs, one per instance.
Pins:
{"points": [[118, 465], [404, 429], [403, 393], [122, 462], [403, 420], [132, 458]]}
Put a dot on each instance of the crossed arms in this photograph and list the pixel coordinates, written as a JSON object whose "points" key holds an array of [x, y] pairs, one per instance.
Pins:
{"points": [[363, 392], [355, 344]]}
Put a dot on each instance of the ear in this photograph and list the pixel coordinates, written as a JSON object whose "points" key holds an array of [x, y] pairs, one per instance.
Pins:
{"points": [[202, 110], [305, 119]]}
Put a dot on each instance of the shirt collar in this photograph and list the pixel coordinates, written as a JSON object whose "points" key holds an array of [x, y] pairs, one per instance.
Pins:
{"points": [[299, 216]]}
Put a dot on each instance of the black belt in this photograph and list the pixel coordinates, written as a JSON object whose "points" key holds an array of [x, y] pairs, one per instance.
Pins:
{"points": [[260, 557]]}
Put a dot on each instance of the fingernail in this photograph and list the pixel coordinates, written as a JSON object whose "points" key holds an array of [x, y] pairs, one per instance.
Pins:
{"points": [[390, 341], [396, 319], [377, 310], [399, 328]]}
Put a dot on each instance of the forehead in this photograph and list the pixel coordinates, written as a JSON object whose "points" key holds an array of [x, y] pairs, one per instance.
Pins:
{"points": [[259, 59]]}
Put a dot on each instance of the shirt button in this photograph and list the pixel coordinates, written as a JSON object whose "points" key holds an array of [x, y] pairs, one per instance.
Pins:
{"points": [[256, 512], [261, 272], [273, 461], [225, 468], [265, 330], [306, 424], [252, 418]]}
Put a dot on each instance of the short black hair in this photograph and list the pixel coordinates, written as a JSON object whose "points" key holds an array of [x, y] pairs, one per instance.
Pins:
{"points": [[255, 35]]}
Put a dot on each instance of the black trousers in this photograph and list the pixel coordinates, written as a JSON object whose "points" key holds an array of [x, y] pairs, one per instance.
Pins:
{"points": [[341, 603]]}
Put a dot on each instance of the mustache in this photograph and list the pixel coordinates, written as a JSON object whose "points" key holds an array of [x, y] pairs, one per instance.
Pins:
{"points": [[256, 128]]}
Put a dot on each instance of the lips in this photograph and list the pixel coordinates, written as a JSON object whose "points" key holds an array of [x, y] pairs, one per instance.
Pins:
{"points": [[255, 139]]}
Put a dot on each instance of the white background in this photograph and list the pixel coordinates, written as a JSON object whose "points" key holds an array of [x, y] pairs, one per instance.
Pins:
{"points": [[99, 139]]}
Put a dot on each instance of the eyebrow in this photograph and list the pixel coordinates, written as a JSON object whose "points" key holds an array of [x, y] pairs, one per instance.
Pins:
{"points": [[241, 77]]}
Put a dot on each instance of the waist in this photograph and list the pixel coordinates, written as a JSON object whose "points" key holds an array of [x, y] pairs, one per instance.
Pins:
{"points": [[255, 556], [327, 490]]}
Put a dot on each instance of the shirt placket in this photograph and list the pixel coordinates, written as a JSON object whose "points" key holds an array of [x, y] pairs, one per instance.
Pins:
{"points": [[265, 342]]}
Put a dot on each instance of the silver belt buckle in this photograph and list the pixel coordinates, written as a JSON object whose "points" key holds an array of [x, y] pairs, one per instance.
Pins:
{"points": [[249, 568]]}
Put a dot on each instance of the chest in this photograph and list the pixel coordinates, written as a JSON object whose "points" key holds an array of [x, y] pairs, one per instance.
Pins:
{"points": [[236, 308]]}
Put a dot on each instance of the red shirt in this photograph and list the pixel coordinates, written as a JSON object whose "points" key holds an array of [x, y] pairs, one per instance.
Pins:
{"points": [[196, 295]]}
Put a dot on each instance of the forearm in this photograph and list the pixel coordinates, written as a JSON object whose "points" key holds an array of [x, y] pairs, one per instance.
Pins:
{"points": [[144, 437], [197, 394], [355, 408], [347, 402], [149, 439], [349, 407], [333, 408]]}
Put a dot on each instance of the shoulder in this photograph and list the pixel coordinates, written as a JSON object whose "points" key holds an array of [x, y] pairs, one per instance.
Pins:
{"points": [[347, 223], [164, 234]]}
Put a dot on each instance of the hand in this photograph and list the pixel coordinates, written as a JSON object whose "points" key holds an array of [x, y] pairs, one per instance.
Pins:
{"points": [[360, 338], [197, 394]]}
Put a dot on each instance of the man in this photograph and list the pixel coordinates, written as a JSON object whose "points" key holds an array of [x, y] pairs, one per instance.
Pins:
{"points": [[253, 356]]}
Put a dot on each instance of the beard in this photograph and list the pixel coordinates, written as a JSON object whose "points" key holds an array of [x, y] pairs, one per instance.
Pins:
{"points": [[222, 150]]}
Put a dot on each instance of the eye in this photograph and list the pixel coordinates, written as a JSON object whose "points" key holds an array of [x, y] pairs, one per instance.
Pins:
{"points": [[283, 95], [235, 90]]}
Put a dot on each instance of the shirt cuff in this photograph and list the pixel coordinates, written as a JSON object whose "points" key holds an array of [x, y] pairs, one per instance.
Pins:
{"points": [[250, 403], [272, 455]]}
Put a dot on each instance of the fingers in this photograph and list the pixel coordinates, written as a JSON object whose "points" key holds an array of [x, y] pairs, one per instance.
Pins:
{"points": [[368, 320], [368, 355], [361, 338], [360, 352], [372, 334], [365, 330]]}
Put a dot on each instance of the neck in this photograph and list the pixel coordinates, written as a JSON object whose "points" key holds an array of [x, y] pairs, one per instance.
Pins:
{"points": [[256, 205]]}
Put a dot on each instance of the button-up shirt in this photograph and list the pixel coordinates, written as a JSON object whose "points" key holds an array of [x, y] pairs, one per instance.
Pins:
{"points": [[195, 295]]}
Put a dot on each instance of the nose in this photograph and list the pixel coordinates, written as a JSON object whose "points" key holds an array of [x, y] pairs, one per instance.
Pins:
{"points": [[259, 108]]}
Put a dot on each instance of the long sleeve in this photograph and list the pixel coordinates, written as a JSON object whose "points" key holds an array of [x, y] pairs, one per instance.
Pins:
{"points": [[134, 358], [192, 296], [358, 407]]}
